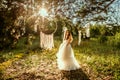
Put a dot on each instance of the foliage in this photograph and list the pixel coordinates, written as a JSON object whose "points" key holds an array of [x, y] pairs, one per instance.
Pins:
{"points": [[116, 29], [114, 19], [115, 40], [81, 10], [102, 39], [64, 22], [95, 6], [59, 28], [104, 30], [11, 24], [94, 31], [15, 14]]}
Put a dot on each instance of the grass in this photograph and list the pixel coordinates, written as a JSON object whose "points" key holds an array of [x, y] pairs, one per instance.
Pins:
{"points": [[99, 61], [102, 59]]}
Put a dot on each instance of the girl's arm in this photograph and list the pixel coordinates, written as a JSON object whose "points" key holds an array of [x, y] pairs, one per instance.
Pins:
{"points": [[71, 39]]}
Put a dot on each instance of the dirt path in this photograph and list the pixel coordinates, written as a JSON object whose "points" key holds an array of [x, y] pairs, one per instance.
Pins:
{"points": [[40, 67]]}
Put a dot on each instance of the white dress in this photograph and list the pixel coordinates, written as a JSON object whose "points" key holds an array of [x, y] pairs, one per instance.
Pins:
{"points": [[65, 57]]}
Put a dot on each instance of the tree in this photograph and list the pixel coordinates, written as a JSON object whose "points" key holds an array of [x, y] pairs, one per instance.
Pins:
{"points": [[16, 15], [81, 9], [11, 24]]}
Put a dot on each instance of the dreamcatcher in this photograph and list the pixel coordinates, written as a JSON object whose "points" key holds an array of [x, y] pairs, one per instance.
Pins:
{"points": [[48, 26]]}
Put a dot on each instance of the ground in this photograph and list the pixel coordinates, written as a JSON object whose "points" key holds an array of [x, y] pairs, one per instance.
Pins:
{"points": [[97, 61], [41, 67]]}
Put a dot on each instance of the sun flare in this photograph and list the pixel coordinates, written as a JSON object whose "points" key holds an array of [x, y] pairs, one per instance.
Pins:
{"points": [[43, 12]]}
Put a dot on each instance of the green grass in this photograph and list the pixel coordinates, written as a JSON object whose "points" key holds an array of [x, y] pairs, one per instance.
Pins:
{"points": [[97, 60], [102, 59]]}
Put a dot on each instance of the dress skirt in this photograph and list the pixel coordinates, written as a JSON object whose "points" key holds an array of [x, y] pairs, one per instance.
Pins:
{"points": [[65, 58]]}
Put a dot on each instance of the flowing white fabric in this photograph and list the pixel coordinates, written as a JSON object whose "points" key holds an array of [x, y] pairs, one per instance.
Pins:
{"points": [[79, 37], [87, 30], [65, 57]]}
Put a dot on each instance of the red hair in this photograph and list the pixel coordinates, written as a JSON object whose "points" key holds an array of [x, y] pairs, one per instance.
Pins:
{"points": [[67, 35]]}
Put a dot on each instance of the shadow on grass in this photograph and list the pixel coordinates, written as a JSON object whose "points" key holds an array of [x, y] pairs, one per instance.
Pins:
{"points": [[74, 75]]}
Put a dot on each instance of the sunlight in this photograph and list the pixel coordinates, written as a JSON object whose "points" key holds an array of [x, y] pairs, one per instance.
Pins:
{"points": [[43, 12]]}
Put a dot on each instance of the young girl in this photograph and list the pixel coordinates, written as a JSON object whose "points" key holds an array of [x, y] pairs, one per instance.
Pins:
{"points": [[65, 55]]}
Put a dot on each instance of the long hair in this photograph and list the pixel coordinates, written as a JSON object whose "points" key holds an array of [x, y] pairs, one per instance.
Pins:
{"points": [[67, 35]]}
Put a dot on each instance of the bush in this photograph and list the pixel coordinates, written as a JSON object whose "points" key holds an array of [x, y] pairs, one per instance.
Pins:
{"points": [[94, 31], [11, 24], [102, 39], [117, 40]]}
